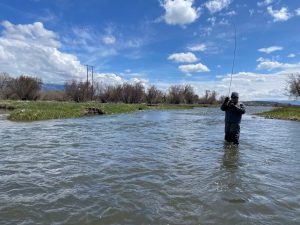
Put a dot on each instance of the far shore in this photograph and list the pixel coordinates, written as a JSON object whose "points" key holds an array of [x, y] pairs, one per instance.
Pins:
{"points": [[283, 113], [47, 110]]}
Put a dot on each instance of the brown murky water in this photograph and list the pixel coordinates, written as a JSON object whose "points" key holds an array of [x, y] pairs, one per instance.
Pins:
{"points": [[153, 167]]}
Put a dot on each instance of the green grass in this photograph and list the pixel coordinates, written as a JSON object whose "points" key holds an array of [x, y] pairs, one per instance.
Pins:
{"points": [[45, 110], [286, 113]]}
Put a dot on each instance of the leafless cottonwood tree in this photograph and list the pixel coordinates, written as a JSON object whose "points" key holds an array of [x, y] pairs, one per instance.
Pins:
{"points": [[189, 95], [25, 87], [78, 91], [175, 95], [210, 97], [153, 95], [293, 87], [5, 82]]}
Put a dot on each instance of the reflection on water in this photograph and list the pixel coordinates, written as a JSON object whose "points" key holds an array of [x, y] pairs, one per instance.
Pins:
{"points": [[153, 167], [231, 156]]}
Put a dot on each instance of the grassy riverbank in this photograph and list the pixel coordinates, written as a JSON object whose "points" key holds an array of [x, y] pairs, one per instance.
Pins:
{"points": [[45, 110], [286, 113]]}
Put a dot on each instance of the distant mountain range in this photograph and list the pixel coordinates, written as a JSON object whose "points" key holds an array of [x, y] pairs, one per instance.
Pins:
{"points": [[53, 87], [296, 102]]}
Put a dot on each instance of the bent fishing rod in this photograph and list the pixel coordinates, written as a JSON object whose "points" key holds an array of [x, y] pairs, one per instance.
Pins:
{"points": [[233, 61]]}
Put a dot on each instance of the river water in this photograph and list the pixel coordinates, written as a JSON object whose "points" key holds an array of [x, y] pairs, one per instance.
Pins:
{"points": [[152, 167]]}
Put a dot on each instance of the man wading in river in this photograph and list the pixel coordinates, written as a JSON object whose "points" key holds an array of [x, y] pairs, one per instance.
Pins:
{"points": [[233, 117]]}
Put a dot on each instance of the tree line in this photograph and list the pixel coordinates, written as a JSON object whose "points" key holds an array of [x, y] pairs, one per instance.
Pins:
{"points": [[30, 88], [128, 93], [22, 87]]}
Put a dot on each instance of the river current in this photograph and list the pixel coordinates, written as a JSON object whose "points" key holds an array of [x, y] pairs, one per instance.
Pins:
{"points": [[150, 167]]}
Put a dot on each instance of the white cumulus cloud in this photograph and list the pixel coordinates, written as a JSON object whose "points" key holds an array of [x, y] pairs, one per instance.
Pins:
{"points": [[33, 50], [197, 48], [113, 79], [179, 12], [279, 15], [267, 64], [251, 86], [255, 86], [183, 57], [297, 12], [217, 5], [270, 49], [109, 79], [194, 68]]}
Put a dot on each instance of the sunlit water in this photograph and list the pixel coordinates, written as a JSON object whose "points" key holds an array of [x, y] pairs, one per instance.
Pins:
{"points": [[152, 167]]}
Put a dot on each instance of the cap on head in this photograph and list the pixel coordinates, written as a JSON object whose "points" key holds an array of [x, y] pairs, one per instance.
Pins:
{"points": [[234, 95]]}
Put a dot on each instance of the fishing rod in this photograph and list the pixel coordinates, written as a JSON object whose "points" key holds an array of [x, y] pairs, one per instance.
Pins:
{"points": [[233, 61]]}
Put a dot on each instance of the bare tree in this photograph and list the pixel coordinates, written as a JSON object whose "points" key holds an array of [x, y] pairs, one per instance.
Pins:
{"points": [[189, 95], [78, 91], [71, 90], [293, 88], [138, 93], [153, 95], [26, 88], [132, 93], [210, 97], [213, 97], [127, 93], [5, 85], [176, 94]]}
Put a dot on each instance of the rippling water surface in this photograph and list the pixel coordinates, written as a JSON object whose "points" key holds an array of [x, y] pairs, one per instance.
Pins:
{"points": [[153, 167]]}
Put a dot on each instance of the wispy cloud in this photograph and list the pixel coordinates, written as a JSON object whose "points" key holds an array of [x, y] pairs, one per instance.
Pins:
{"points": [[292, 55], [197, 48], [270, 49], [109, 40], [217, 5], [264, 3], [279, 15]]}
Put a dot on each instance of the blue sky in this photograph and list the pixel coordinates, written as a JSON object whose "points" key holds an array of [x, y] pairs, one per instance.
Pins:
{"points": [[155, 42]]}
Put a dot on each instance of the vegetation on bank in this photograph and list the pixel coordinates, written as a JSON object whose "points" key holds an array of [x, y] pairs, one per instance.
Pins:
{"points": [[45, 110], [30, 88], [285, 113], [80, 98]]}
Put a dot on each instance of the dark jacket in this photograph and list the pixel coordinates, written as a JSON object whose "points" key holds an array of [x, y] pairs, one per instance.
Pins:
{"points": [[233, 113]]}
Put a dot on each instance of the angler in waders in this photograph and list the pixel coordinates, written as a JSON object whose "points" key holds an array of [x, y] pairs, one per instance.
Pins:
{"points": [[233, 117]]}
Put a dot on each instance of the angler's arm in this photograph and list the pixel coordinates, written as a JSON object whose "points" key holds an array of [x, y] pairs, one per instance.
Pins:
{"points": [[240, 108], [225, 106]]}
